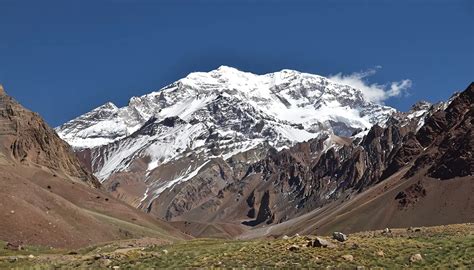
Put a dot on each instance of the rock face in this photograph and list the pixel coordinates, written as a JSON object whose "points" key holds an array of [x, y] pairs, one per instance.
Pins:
{"points": [[387, 178], [451, 133], [294, 181], [310, 175], [27, 139]]}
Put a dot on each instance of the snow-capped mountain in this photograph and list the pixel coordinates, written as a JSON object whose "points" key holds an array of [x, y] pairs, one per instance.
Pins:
{"points": [[167, 136], [288, 97]]}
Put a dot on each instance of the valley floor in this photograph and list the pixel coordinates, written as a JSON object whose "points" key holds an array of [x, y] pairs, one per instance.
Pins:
{"points": [[450, 246]]}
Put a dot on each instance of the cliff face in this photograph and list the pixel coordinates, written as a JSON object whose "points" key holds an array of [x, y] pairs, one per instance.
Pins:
{"points": [[288, 183], [26, 139], [450, 133], [431, 142]]}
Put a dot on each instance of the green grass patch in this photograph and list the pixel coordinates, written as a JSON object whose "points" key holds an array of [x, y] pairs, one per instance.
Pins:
{"points": [[439, 249]]}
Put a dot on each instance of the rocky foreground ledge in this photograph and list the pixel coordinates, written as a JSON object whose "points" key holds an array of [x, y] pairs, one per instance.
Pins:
{"points": [[450, 246]]}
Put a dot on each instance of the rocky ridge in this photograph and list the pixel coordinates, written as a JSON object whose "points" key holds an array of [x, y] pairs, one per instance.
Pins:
{"points": [[27, 139], [289, 183]]}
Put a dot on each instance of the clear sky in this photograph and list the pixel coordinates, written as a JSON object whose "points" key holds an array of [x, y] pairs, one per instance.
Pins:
{"points": [[63, 58]]}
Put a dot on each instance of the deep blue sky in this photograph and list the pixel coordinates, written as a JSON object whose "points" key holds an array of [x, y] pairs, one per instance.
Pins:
{"points": [[63, 58]]}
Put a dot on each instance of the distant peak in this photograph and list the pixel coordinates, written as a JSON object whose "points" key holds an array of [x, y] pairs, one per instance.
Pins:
{"points": [[2, 91], [224, 67], [421, 105], [107, 106], [289, 71], [227, 69]]}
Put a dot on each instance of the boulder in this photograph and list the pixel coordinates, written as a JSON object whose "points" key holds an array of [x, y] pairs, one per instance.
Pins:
{"points": [[11, 246], [416, 258], [348, 257], [339, 236], [319, 242], [387, 232], [107, 262], [294, 248]]}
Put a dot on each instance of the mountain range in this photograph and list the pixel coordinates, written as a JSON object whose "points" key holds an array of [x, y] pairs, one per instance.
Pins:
{"points": [[168, 137], [225, 153], [231, 154]]}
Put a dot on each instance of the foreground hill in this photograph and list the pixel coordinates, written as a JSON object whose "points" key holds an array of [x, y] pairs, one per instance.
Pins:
{"points": [[421, 247], [47, 197]]}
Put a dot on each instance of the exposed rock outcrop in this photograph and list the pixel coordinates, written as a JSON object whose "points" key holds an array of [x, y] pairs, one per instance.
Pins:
{"points": [[26, 138], [313, 174], [48, 199]]}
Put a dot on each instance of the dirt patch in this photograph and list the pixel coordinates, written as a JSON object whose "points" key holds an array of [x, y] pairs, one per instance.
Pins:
{"points": [[410, 196]]}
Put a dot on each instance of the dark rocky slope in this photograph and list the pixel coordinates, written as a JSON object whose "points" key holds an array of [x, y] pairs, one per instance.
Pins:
{"points": [[288, 184]]}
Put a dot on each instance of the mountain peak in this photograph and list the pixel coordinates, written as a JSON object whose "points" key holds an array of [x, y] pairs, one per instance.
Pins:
{"points": [[421, 105], [225, 110], [2, 91], [231, 73], [284, 98], [224, 68], [291, 71], [108, 106]]}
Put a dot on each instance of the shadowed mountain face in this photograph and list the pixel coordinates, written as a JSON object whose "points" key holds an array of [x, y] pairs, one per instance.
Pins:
{"points": [[450, 133], [399, 175], [47, 197]]}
